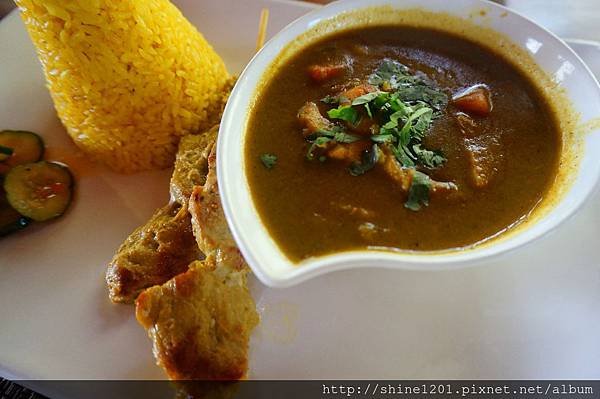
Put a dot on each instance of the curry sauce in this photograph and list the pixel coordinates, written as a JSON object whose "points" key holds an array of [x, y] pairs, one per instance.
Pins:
{"points": [[497, 160]]}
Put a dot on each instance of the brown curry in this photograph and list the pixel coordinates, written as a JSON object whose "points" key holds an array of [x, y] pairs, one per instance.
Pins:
{"points": [[397, 137]]}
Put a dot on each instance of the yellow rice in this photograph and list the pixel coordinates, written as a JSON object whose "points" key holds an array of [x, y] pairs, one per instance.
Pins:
{"points": [[128, 77]]}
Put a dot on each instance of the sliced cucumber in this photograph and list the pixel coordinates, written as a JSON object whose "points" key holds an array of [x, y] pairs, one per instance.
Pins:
{"points": [[10, 220], [5, 153], [39, 191], [19, 147]]}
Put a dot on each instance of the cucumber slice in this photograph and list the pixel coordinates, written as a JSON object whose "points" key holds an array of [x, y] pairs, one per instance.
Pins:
{"points": [[40, 191], [10, 220], [5, 153], [19, 147]]}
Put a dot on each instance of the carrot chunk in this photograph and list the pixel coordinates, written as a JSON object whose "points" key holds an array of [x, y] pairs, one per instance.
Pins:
{"points": [[476, 101], [322, 73]]}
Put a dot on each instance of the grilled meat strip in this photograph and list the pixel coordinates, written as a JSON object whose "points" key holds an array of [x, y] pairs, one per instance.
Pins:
{"points": [[208, 221], [200, 322], [164, 246]]}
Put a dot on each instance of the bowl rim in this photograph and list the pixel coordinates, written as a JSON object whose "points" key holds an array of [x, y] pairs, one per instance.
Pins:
{"points": [[406, 260]]}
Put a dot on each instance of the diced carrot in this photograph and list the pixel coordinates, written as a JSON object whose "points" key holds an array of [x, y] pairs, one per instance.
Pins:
{"points": [[322, 73], [476, 101], [350, 94]]}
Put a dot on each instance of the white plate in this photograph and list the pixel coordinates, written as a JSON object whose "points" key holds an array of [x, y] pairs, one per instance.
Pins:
{"points": [[534, 314]]}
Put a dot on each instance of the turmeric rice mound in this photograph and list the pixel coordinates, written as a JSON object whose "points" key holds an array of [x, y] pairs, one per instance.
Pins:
{"points": [[128, 77]]}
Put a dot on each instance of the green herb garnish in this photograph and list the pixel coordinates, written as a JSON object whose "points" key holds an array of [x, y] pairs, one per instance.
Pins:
{"points": [[321, 138], [366, 98], [388, 71], [338, 135], [409, 88], [418, 195], [345, 113], [318, 142], [431, 159], [268, 160], [404, 107], [384, 138], [331, 100]]}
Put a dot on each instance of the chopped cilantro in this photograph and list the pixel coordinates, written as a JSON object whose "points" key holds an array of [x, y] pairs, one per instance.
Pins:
{"points": [[409, 88], [331, 100], [421, 92], [345, 113], [325, 133], [408, 127], [403, 108], [431, 159], [338, 135], [268, 160], [366, 98], [343, 137], [388, 71], [369, 112], [384, 138], [403, 156], [319, 142], [418, 195]]}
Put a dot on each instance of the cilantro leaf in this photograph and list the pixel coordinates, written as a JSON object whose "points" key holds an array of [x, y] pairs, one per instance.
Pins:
{"points": [[408, 88], [387, 71], [325, 133], [321, 138], [343, 137], [366, 98], [395, 117], [345, 113], [369, 160], [423, 122], [369, 112], [268, 160], [336, 134], [421, 92], [415, 116], [403, 156], [383, 138], [418, 195], [319, 142], [331, 100], [431, 159]]}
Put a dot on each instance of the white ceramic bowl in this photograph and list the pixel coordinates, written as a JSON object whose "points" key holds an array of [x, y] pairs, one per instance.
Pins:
{"points": [[263, 255]]}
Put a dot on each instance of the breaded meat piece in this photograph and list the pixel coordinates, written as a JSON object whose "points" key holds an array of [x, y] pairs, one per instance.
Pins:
{"points": [[152, 254], [191, 164], [208, 221], [165, 245], [200, 322]]}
